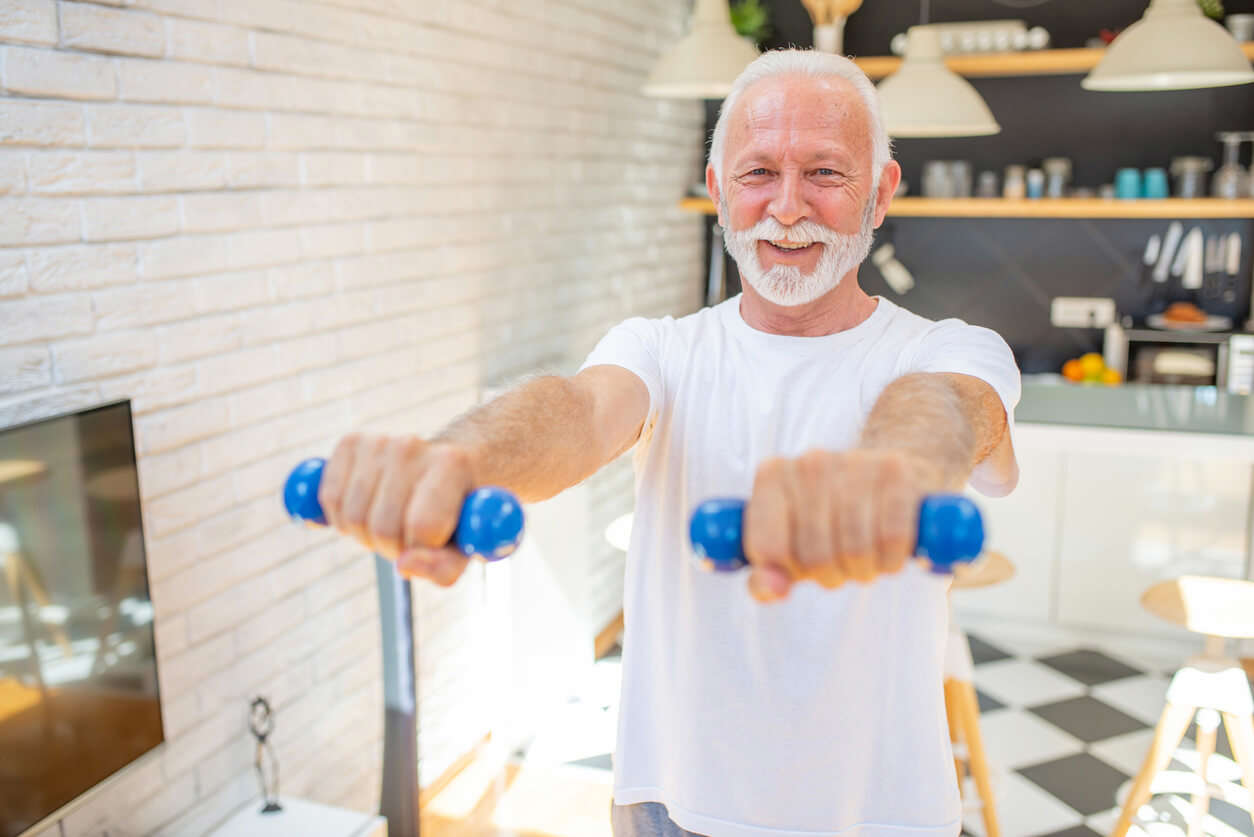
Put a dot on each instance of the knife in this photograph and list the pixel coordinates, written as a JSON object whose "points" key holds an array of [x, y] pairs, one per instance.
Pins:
{"points": [[1174, 232]]}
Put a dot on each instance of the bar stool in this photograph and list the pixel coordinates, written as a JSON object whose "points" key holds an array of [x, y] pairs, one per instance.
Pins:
{"points": [[23, 578], [961, 704], [1209, 686]]}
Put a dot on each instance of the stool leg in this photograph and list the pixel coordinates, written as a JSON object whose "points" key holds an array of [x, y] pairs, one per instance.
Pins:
{"points": [[969, 712], [955, 728], [1241, 737], [1207, 725], [1172, 725], [19, 571]]}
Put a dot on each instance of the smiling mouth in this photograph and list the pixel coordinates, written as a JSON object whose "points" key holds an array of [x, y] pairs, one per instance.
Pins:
{"points": [[791, 247]]}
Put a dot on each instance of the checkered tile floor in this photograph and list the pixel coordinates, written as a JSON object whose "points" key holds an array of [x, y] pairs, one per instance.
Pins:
{"points": [[1065, 732], [1064, 729]]}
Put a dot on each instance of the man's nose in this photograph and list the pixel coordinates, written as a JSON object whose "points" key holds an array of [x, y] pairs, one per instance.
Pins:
{"points": [[789, 205]]}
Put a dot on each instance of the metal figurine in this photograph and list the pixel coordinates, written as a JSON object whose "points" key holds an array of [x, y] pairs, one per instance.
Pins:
{"points": [[261, 722]]}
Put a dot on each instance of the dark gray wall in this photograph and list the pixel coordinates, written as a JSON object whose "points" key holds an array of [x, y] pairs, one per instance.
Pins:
{"points": [[1070, 22], [1002, 273]]}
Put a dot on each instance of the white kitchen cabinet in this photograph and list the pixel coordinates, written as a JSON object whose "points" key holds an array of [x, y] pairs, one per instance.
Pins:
{"points": [[1024, 528], [1101, 514], [1128, 522]]}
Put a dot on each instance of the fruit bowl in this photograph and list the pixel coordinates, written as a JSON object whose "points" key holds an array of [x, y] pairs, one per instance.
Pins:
{"points": [[1091, 369]]}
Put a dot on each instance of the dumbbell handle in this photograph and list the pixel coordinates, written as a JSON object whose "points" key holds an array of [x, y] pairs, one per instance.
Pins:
{"points": [[491, 522], [950, 531]]}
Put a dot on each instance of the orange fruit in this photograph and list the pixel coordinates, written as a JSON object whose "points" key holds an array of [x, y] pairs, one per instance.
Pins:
{"points": [[1111, 378], [1092, 365], [1073, 371]]}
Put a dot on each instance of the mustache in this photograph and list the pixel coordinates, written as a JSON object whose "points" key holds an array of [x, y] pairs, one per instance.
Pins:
{"points": [[802, 232]]}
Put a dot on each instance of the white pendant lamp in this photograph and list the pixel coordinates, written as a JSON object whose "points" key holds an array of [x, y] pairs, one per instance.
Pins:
{"points": [[1173, 47], [924, 98], [706, 61]]}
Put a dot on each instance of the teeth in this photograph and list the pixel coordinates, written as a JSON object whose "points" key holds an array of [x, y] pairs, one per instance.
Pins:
{"points": [[788, 245]]}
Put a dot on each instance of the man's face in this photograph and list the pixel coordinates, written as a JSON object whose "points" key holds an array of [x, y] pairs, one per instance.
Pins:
{"points": [[798, 191]]}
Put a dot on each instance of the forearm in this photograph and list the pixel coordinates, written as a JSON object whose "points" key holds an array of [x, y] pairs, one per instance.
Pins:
{"points": [[948, 422], [536, 440]]}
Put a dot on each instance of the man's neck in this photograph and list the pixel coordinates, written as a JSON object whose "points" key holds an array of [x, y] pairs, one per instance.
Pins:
{"points": [[840, 309]]}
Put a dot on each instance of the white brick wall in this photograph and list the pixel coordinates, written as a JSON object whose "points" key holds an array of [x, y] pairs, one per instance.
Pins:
{"points": [[87, 26], [269, 222]]}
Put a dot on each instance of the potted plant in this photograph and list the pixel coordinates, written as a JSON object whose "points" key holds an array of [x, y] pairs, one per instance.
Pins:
{"points": [[751, 19], [1212, 8]]}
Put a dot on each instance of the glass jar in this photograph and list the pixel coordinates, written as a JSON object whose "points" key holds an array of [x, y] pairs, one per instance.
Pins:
{"points": [[960, 178], [1231, 180], [1057, 176], [986, 185], [1036, 183], [1191, 175], [1015, 186], [937, 182]]}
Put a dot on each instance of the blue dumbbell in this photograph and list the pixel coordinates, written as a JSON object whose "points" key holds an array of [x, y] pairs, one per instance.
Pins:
{"points": [[491, 522], [951, 531]]}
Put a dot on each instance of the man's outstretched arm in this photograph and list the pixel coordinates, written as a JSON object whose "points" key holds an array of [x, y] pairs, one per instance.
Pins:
{"points": [[838, 516], [552, 432], [401, 496], [957, 422]]}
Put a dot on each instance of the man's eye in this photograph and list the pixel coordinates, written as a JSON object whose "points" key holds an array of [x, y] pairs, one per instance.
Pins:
{"points": [[827, 172], [757, 173]]}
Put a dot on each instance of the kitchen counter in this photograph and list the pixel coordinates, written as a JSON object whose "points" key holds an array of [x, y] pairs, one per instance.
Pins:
{"points": [[1120, 488], [1153, 407]]}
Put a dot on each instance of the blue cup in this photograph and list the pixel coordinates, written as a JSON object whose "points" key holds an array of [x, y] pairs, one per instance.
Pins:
{"points": [[1156, 186], [1128, 184]]}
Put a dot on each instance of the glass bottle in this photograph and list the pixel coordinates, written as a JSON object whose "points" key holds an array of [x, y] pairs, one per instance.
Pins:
{"points": [[1014, 186], [1191, 175], [937, 182], [986, 185], [1036, 183], [1057, 176], [1231, 180], [960, 178]]}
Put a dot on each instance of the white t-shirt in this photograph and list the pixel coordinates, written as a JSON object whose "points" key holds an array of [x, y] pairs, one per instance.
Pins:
{"points": [[819, 715]]}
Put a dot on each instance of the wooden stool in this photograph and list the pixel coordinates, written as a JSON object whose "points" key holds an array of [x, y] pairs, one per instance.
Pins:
{"points": [[961, 705], [23, 577], [1209, 686]]}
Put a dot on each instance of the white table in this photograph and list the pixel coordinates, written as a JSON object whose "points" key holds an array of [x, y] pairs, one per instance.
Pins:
{"points": [[300, 818]]}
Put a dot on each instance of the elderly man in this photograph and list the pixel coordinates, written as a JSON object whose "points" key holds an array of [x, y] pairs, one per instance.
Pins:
{"points": [[766, 707]]}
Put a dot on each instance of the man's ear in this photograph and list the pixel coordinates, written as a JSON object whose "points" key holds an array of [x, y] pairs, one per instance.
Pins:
{"points": [[890, 177], [711, 186]]}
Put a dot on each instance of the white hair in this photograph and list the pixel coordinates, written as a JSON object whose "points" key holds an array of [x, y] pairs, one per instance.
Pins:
{"points": [[804, 62]]}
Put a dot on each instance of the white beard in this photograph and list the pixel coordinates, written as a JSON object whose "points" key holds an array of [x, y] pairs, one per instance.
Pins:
{"points": [[785, 284]]}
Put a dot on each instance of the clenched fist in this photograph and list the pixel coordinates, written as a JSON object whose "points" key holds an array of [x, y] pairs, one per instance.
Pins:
{"points": [[832, 518], [401, 496]]}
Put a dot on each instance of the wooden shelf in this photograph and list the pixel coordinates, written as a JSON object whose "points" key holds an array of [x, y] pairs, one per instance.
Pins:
{"points": [[1046, 208], [702, 205], [1045, 62]]}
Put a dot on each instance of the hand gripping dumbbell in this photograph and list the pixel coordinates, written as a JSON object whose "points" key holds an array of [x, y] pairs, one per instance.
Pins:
{"points": [[491, 522], [950, 531]]}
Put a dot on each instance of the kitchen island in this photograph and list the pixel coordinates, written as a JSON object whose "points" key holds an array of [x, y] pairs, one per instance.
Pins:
{"points": [[1120, 487]]}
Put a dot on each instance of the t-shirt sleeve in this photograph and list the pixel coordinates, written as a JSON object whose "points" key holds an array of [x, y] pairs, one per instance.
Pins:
{"points": [[635, 345], [955, 346]]}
